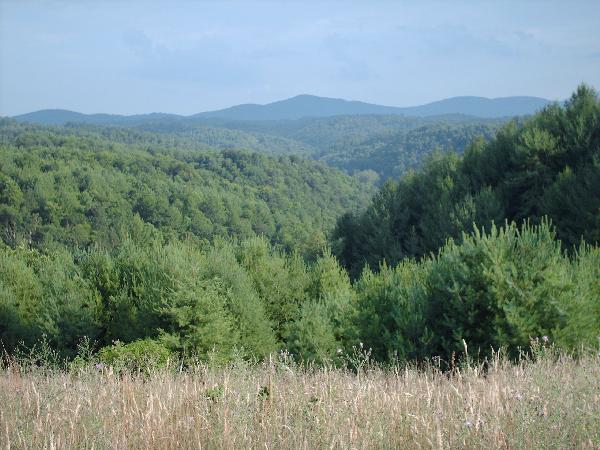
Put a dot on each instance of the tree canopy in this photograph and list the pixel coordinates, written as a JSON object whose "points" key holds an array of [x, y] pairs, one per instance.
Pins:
{"points": [[547, 166]]}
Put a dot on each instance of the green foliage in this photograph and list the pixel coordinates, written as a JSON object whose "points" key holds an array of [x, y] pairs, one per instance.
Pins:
{"points": [[45, 296], [281, 280], [156, 253], [198, 302], [582, 312], [68, 187], [214, 302], [144, 355], [330, 285], [256, 335], [311, 337], [372, 146], [324, 326], [547, 166], [392, 311], [499, 289], [395, 153]]}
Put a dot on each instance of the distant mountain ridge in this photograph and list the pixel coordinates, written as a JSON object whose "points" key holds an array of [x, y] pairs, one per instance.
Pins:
{"points": [[304, 106], [62, 116], [299, 107]]}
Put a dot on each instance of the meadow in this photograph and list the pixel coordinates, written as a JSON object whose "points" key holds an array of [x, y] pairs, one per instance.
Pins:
{"points": [[549, 400]]}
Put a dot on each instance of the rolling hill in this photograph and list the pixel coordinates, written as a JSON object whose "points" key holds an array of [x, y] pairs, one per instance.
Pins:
{"points": [[303, 106], [77, 186]]}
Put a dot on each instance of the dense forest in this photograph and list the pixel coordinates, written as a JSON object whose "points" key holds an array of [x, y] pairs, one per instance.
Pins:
{"points": [[547, 167], [78, 187], [147, 243], [393, 155], [374, 147]]}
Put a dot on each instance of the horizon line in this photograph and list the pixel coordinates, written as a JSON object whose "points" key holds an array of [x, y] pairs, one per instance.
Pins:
{"points": [[279, 101]]}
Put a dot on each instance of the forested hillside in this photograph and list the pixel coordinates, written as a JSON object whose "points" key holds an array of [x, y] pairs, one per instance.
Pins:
{"points": [[165, 134], [325, 133], [381, 146], [218, 136], [74, 187], [394, 154], [154, 250], [550, 166]]}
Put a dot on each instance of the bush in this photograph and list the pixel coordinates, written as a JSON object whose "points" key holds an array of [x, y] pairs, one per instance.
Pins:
{"points": [[42, 295], [391, 311], [143, 355], [499, 289]]}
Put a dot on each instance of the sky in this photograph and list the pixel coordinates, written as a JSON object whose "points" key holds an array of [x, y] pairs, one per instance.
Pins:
{"points": [[184, 57]]}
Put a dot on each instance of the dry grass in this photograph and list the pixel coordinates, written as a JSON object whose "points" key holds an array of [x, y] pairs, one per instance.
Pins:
{"points": [[547, 404]]}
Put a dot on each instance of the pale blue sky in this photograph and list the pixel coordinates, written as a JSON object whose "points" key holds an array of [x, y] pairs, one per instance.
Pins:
{"points": [[186, 57]]}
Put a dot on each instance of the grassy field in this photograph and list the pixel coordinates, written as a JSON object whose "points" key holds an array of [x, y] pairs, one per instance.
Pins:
{"points": [[553, 402]]}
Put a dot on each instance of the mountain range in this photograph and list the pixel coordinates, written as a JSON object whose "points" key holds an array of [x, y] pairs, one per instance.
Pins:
{"points": [[303, 106]]}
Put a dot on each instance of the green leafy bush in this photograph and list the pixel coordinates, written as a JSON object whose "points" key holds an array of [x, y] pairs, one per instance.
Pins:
{"points": [[143, 355]]}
